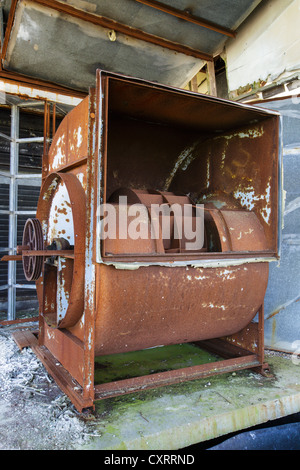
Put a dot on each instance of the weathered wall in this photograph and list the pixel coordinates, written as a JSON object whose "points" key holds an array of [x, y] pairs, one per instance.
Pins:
{"points": [[267, 45], [282, 302]]}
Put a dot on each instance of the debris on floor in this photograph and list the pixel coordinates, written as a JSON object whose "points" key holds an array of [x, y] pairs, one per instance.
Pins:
{"points": [[34, 414]]}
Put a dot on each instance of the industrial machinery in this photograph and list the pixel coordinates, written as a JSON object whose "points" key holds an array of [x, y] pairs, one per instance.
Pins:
{"points": [[149, 144]]}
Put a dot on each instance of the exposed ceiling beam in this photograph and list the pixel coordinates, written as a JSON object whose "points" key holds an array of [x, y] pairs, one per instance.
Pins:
{"points": [[22, 80], [109, 24], [187, 16]]}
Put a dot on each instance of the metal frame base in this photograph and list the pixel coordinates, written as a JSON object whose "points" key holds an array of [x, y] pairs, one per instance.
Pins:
{"points": [[62, 377], [236, 358]]}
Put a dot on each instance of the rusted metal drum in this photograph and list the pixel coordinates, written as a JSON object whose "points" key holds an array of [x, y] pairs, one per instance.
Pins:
{"points": [[157, 305], [152, 305]]}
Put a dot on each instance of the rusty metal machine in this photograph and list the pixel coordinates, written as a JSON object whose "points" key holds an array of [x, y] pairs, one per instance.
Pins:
{"points": [[153, 144]]}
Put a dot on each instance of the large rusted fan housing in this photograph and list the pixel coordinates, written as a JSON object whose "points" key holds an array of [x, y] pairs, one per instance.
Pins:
{"points": [[155, 144]]}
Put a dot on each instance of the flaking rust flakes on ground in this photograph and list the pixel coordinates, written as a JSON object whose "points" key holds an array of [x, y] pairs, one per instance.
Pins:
{"points": [[34, 414]]}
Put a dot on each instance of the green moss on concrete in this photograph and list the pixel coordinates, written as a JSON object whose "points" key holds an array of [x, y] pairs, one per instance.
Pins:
{"points": [[177, 416], [149, 361]]}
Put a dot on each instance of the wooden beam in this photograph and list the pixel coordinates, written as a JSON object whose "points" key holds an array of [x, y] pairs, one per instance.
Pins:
{"points": [[194, 84], [211, 77], [36, 84], [187, 16]]}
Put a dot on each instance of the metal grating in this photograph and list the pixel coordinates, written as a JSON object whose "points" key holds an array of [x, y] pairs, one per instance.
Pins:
{"points": [[4, 196], [4, 225], [27, 198], [21, 148]]}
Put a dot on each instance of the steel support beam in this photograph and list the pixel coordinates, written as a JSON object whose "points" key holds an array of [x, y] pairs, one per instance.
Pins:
{"points": [[12, 234]]}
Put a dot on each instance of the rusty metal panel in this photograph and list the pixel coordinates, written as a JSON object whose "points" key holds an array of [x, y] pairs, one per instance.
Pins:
{"points": [[221, 154], [70, 143], [67, 350], [245, 230]]}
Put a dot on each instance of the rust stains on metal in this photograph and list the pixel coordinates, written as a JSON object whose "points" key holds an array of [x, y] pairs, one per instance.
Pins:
{"points": [[69, 146], [70, 291], [217, 305]]}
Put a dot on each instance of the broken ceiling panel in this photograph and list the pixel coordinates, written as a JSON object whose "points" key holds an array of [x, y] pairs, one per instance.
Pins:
{"points": [[64, 42]]}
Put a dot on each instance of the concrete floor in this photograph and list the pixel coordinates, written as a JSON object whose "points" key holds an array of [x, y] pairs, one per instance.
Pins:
{"points": [[34, 414]]}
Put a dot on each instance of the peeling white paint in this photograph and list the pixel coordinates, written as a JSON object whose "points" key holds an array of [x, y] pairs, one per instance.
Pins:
{"points": [[227, 274], [247, 199], [50, 190], [223, 159], [208, 171], [193, 264], [59, 157], [79, 136], [266, 212], [252, 133], [80, 176], [211, 305], [60, 223], [126, 266], [183, 161], [50, 334], [62, 295]]}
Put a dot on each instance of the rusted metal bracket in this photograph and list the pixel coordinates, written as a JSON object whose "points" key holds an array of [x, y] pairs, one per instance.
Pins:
{"points": [[11, 258], [61, 376], [138, 384], [47, 253]]}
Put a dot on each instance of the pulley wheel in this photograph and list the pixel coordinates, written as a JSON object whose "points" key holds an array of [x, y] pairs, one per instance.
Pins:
{"points": [[33, 239]]}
